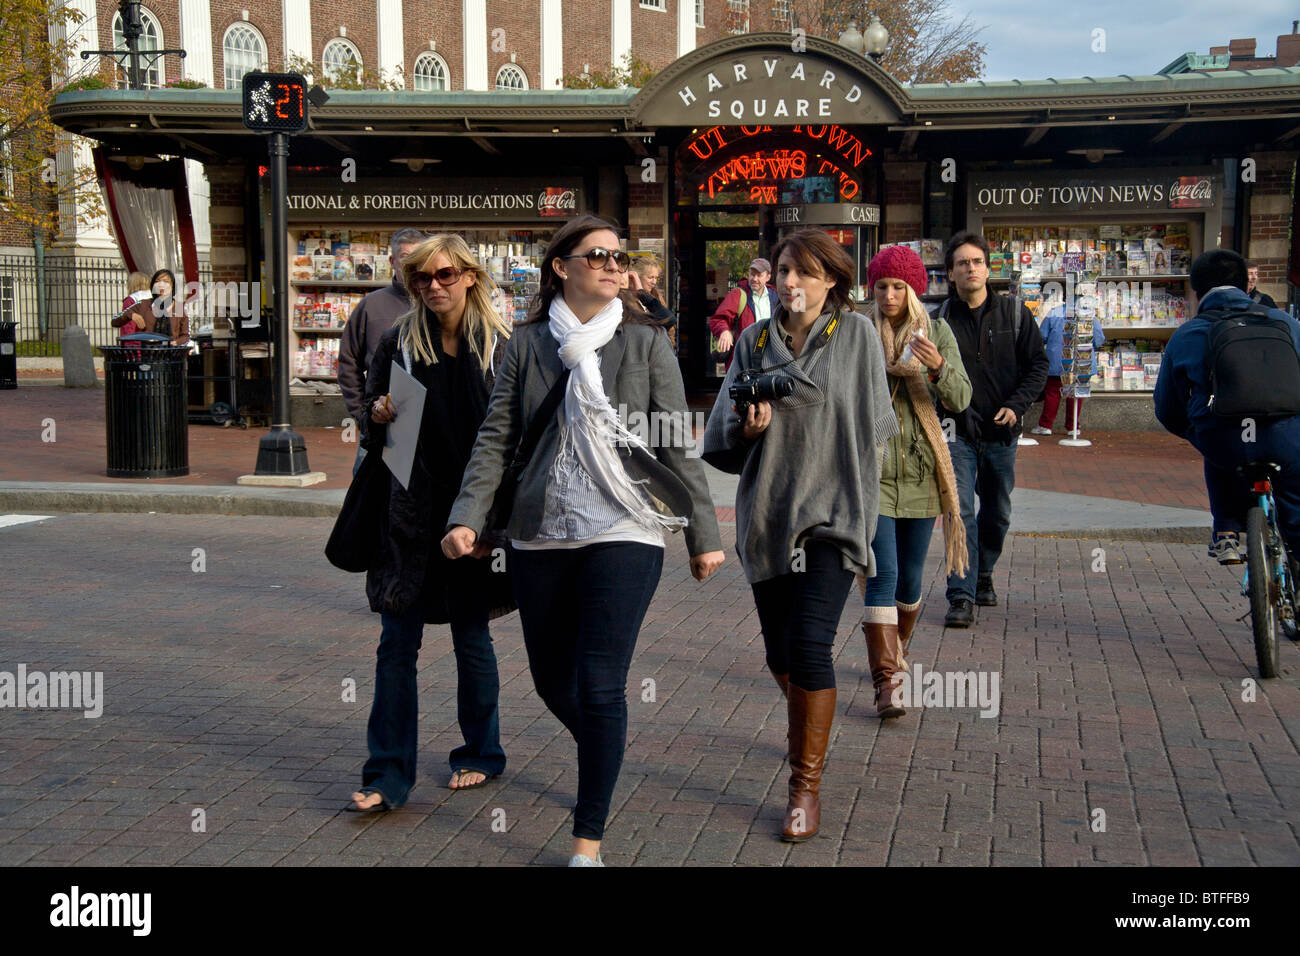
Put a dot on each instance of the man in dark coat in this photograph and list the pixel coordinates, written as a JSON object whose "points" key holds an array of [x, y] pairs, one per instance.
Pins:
{"points": [[1004, 357], [373, 316]]}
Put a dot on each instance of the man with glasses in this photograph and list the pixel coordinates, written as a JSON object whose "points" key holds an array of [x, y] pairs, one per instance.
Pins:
{"points": [[373, 316], [743, 307], [1004, 357]]}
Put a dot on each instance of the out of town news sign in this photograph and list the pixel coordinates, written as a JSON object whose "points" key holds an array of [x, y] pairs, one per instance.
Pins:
{"points": [[769, 86]]}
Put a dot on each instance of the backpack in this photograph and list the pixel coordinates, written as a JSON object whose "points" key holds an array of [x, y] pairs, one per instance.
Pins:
{"points": [[1251, 365]]}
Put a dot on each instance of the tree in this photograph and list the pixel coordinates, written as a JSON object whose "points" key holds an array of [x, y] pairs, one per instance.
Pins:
{"points": [[33, 70], [350, 76], [927, 44], [634, 73]]}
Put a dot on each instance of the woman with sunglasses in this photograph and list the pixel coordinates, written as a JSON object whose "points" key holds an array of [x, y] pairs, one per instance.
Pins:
{"points": [[452, 341], [587, 537], [809, 466]]}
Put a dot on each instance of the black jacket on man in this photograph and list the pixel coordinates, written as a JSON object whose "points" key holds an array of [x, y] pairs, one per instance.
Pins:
{"points": [[373, 316], [1263, 298], [1005, 370]]}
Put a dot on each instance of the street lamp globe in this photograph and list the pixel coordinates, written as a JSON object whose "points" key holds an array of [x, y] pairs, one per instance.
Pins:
{"points": [[876, 39], [852, 38]]}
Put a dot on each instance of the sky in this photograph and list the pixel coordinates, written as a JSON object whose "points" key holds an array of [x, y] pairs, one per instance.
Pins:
{"points": [[1033, 40]]}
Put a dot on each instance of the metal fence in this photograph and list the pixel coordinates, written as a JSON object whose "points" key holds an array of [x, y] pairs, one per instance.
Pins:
{"points": [[65, 291]]}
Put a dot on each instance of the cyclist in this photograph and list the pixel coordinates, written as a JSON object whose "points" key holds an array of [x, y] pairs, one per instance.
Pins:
{"points": [[1182, 404]]}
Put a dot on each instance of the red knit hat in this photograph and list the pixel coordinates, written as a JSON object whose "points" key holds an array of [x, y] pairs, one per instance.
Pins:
{"points": [[898, 262]]}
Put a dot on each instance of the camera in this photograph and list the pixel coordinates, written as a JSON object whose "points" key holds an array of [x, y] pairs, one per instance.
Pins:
{"points": [[750, 387]]}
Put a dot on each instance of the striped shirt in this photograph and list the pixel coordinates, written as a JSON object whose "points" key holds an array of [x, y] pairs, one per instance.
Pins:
{"points": [[578, 512]]}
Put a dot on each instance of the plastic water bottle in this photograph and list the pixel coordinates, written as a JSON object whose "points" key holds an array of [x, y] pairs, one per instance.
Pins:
{"points": [[907, 349]]}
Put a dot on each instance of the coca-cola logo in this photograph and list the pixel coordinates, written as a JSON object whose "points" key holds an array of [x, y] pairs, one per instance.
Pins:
{"points": [[556, 202], [1191, 191]]}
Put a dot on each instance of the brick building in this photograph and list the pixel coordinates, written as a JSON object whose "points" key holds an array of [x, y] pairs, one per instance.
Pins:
{"points": [[743, 138]]}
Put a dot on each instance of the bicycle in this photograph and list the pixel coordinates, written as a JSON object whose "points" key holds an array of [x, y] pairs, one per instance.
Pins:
{"points": [[1269, 581]]}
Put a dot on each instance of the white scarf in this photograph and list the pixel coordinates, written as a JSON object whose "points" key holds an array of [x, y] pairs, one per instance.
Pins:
{"points": [[589, 427]]}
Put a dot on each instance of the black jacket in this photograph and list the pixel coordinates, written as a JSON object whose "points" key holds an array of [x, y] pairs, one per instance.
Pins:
{"points": [[411, 564], [1004, 369]]}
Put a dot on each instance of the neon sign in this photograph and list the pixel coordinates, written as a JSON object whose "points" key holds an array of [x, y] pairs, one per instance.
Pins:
{"points": [[780, 164], [758, 169], [848, 146]]}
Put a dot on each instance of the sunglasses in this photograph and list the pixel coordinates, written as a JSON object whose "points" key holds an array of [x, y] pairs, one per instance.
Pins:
{"points": [[444, 277], [597, 257]]}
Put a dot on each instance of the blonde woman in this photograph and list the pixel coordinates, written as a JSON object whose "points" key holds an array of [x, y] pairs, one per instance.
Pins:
{"points": [[917, 482], [452, 341]]}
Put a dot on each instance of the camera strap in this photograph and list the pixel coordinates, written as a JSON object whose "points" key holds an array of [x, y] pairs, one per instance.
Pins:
{"points": [[765, 327]]}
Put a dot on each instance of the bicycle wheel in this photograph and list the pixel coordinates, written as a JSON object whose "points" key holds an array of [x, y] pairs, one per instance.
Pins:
{"points": [[1263, 614]]}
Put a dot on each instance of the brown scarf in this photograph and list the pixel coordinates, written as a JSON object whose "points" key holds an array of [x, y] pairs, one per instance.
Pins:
{"points": [[915, 375]]}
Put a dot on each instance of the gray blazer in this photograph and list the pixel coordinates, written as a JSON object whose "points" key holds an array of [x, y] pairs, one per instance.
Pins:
{"points": [[639, 371]]}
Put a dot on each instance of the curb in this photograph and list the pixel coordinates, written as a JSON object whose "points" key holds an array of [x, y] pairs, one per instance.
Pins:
{"points": [[179, 502], [1170, 535], [277, 503]]}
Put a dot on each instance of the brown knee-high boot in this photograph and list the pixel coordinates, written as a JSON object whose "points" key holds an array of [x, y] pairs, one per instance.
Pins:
{"points": [[885, 659], [907, 617], [811, 713]]}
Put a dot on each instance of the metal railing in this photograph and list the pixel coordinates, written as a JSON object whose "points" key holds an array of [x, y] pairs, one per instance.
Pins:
{"points": [[72, 291]]}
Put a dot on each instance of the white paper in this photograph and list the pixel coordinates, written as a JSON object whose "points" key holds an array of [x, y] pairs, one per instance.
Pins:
{"points": [[403, 436]]}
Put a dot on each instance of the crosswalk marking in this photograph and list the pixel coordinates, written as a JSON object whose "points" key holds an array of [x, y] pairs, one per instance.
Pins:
{"points": [[7, 521]]}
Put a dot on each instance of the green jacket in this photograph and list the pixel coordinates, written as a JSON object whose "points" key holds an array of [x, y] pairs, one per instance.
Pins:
{"points": [[909, 487]]}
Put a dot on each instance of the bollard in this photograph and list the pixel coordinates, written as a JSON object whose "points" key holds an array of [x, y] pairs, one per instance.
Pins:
{"points": [[78, 359]]}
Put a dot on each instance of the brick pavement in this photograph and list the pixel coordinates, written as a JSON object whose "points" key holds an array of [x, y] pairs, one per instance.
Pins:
{"points": [[1120, 691], [1147, 467]]}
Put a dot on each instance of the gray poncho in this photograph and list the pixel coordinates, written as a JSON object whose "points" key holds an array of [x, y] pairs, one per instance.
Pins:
{"points": [[814, 473]]}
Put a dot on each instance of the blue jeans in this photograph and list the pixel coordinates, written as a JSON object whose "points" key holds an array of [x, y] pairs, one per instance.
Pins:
{"points": [[361, 453], [1230, 495], [987, 469], [581, 610], [799, 612], [392, 733], [900, 547]]}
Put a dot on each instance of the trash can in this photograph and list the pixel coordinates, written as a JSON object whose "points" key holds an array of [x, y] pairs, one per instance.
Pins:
{"points": [[144, 399], [8, 355]]}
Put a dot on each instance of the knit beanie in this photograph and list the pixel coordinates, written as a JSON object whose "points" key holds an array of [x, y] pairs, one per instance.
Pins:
{"points": [[898, 262]]}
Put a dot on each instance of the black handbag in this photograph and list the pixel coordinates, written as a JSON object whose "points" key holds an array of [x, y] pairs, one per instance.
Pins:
{"points": [[504, 501], [357, 536]]}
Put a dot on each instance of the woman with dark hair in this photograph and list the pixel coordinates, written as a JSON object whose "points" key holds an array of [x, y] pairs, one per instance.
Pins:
{"points": [[593, 501], [167, 309], [808, 451], [453, 342]]}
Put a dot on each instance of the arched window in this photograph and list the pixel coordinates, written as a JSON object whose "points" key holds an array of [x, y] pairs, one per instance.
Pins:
{"points": [[430, 72], [243, 51], [150, 39], [337, 55], [511, 77]]}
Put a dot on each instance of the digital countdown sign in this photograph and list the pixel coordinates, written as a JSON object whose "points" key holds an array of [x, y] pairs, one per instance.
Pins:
{"points": [[275, 102]]}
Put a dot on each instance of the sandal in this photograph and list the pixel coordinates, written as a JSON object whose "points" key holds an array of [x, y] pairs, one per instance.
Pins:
{"points": [[382, 806], [464, 771]]}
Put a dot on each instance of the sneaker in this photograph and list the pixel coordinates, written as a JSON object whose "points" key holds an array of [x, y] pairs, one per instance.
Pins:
{"points": [[961, 613], [985, 596], [1040, 430], [579, 859], [1226, 549]]}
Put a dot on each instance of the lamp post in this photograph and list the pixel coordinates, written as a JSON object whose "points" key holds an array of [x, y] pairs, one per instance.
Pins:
{"points": [[876, 39]]}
